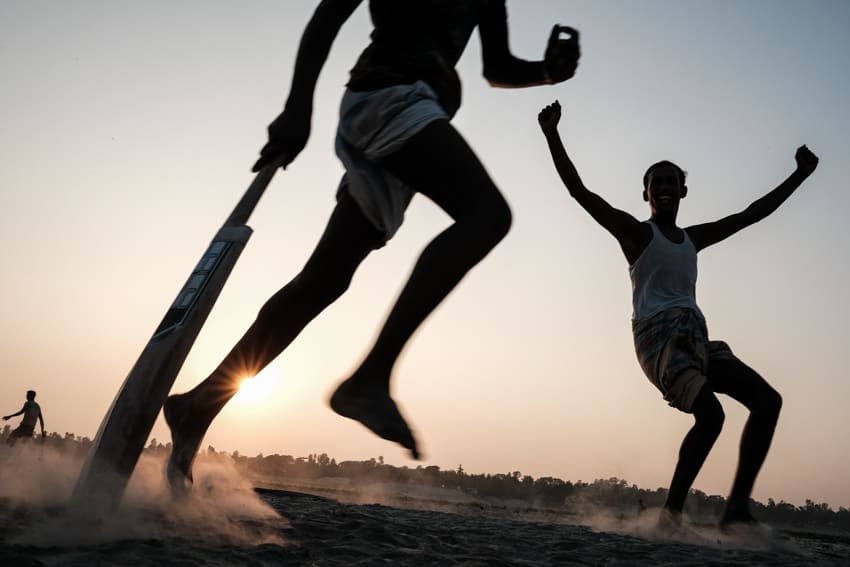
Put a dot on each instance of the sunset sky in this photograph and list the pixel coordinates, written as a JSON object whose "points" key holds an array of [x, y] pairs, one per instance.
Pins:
{"points": [[127, 133]]}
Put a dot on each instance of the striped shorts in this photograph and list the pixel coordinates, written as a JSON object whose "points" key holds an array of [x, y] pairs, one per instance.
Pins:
{"points": [[673, 350]]}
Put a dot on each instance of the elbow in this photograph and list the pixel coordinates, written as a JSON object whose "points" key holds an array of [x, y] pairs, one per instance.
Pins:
{"points": [[752, 215], [500, 72], [496, 79], [577, 191]]}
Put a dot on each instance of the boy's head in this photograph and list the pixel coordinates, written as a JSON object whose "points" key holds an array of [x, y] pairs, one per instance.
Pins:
{"points": [[663, 186], [30, 395]]}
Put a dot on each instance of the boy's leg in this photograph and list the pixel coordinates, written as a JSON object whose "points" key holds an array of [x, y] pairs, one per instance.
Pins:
{"points": [[732, 377], [438, 163], [708, 421], [347, 240]]}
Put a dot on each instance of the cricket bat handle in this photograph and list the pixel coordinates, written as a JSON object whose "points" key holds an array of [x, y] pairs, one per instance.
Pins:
{"points": [[243, 209]]}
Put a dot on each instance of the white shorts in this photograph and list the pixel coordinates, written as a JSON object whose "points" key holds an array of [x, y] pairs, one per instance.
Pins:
{"points": [[372, 126]]}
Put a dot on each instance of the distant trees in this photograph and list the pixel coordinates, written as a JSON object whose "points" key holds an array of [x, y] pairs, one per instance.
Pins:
{"points": [[613, 493], [68, 443]]}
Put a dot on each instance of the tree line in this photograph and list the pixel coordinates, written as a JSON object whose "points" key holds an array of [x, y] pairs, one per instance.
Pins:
{"points": [[612, 494]]}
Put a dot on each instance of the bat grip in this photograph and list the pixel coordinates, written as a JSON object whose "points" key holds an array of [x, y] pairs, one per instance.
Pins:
{"points": [[243, 209]]}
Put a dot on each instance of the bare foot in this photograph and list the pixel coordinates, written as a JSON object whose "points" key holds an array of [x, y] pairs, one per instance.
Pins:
{"points": [[669, 520], [671, 526], [748, 531], [376, 410], [736, 516], [186, 438]]}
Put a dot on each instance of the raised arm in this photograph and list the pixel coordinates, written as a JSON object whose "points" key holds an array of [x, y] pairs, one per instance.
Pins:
{"points": [[703, 235], [289, 132], [503, 69], [632, 235]]}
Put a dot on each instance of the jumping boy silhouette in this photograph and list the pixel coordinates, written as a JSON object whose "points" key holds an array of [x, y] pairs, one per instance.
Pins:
{"points": [[671, 339], [394, 139], [32, 414]]}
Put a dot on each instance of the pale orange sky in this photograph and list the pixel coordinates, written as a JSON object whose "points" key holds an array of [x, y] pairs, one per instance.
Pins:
{"points": [[128, 131]]}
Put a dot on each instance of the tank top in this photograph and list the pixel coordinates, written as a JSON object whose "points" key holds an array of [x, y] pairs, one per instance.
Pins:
{"points": [[664, 276]]}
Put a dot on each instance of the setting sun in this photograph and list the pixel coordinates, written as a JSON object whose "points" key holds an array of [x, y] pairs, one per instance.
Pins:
{"points": [[257, 389]]}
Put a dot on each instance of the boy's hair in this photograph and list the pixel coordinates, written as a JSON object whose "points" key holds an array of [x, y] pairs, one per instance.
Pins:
{"points": [[30, 394], [664, 163]]}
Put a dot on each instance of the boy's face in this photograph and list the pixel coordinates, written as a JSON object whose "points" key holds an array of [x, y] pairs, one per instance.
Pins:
{"points": [[664, 191]]}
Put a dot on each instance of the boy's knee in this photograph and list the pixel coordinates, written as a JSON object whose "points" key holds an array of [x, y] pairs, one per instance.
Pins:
{"points": [[506, 218], [502, 225], [711, 418], [496, 218], [772, 403], [715, 422]]}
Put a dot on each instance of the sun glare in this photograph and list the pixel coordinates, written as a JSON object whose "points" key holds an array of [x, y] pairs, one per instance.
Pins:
{"points": [[255, 390]]}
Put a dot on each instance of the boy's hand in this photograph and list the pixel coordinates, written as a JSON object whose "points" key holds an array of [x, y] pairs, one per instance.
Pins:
{"points": [[807, 162], [561, 57], [288, 134], [549, 117]]}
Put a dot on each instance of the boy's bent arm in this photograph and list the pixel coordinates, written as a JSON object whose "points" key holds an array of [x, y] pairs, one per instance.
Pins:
{"points": [[632, 235], [704, 235], [503, 69]]}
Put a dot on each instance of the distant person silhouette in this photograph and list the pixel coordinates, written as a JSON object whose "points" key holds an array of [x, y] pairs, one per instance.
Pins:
{"points": [[32, 414], [671, 339], [394, 139]]}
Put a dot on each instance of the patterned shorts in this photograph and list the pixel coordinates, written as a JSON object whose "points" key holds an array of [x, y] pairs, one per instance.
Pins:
{"points": [[673, 350]]}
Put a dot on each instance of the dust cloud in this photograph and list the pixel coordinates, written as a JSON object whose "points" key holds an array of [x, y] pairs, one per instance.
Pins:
{"points": [[36, 482]]}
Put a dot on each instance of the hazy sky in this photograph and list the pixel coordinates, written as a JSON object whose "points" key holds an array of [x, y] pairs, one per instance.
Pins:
{"points": [[127, 131]]}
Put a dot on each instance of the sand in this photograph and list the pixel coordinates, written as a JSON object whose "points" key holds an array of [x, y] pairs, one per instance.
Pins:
{"points": [[231, 520]]}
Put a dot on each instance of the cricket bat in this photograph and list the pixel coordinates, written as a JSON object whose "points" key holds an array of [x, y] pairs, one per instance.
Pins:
{"points": [[127, 424]]}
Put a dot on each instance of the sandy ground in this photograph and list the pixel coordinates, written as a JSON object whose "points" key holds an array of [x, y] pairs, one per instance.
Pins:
{"points": [[230, 520]]}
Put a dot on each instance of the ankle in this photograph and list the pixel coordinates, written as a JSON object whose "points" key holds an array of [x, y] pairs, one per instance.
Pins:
{"points": [[189, 412], [371, 377], [737, 511], [669, 519]]}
